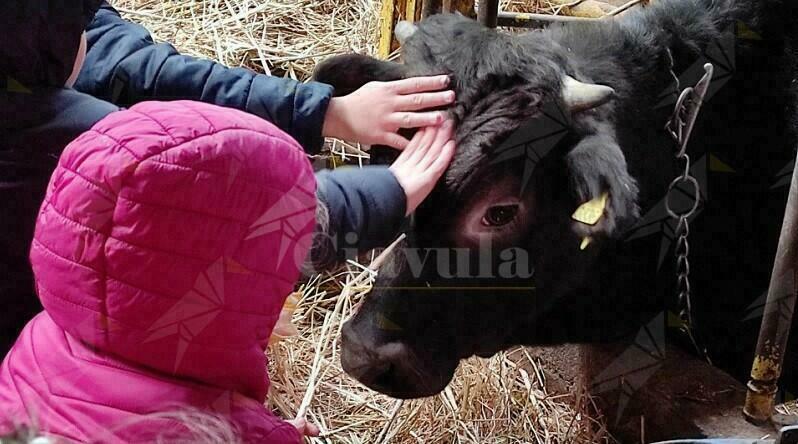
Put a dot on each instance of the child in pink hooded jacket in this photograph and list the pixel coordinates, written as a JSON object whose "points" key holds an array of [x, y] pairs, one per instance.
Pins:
{"points": [[168, 240], [169, 237]]}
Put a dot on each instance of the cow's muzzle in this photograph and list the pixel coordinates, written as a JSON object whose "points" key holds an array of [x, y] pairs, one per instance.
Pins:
{"points": [[391, 368]]}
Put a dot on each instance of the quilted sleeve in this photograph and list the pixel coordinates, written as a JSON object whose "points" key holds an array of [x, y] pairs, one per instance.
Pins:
{"points": [[366, 209], [125, 66]]}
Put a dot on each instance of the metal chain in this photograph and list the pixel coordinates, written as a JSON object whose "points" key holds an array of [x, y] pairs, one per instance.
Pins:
{"points": [[680, 126]]}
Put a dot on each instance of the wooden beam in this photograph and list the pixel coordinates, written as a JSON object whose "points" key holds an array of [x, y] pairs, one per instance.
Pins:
{"points": [[386, 28], [391, 13], [412, 10], [488, 12], [585, 8], [524, 20]]}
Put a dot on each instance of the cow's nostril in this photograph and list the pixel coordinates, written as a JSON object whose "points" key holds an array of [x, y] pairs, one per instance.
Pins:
{"points": [[360, 361], [372, 372], [371, 366], [390, 368], [386, 379]]}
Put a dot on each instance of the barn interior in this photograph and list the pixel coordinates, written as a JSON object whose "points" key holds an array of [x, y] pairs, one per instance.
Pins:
{"points": [[541, 395]]}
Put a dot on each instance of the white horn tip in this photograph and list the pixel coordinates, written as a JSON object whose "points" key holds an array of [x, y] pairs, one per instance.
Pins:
{"points": [[404, 30], [579, 96]]}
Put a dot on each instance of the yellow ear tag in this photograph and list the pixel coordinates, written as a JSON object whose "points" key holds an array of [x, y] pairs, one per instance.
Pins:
{"points": [[285, 327], [585, 242], [590, 212]]}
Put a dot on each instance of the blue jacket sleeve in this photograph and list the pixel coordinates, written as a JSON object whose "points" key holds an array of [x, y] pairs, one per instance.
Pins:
{"points": [[125, 66], [366, 209]]}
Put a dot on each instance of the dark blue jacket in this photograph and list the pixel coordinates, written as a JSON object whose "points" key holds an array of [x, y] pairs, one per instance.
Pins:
{"points": [[124, 66]]}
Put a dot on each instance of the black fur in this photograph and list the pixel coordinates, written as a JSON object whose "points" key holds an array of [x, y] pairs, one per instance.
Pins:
{"points": [[502, 81], [351, 71]]}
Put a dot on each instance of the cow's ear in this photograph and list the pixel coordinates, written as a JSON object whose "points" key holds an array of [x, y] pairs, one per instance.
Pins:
{"points": [[605, 192], [346, 73]]}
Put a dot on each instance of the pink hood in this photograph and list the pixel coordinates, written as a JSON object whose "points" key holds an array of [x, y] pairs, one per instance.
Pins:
{"points": [[170, 235]]}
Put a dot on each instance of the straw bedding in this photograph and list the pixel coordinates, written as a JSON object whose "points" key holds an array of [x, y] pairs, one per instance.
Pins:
{"points": [[502, 399]]}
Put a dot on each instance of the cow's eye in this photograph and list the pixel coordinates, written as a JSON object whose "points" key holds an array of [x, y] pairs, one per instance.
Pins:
{"points": [[499, 215]]}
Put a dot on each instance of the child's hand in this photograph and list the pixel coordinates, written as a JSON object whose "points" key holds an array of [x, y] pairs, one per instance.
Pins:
{"points": [[374, 113], [304, 427], [421, 164]]}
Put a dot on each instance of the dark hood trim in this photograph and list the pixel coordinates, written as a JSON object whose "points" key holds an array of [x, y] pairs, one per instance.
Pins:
{"points": [[41, 40]]}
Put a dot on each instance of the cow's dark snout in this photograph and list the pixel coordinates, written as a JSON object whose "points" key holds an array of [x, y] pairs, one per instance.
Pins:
{"points": [[390, 368], [360, 361]]}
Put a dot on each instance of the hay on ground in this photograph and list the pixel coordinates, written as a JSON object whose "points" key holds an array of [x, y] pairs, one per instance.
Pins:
{"points": [[501, 399], [282, 38]]}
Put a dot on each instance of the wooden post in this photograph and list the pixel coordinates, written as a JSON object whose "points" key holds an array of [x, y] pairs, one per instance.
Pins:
{"points": [[391, 12], [488, 12], [411, 9], [386, 29], [430, 7]]}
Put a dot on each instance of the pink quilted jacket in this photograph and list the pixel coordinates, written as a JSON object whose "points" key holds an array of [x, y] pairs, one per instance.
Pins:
{"points": [[170, 235]]}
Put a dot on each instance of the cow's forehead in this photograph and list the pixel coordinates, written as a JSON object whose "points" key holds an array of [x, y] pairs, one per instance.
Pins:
{"points": [[451, 43], [500, 80]]}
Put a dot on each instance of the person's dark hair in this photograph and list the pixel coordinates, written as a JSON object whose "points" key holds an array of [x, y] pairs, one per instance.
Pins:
{"points": [[40, 40], [322, 254]]}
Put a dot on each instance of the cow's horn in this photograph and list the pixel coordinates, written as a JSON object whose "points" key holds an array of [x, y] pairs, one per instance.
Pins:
{"points": [[579, 96], [404, 30]]}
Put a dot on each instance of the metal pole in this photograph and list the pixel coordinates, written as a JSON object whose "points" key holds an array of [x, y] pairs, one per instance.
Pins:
{"points": [[488, 12], [777, 318], [525, 20]]}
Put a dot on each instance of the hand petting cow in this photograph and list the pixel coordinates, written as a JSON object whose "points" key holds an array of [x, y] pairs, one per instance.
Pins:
{"points": [[548, 121]]}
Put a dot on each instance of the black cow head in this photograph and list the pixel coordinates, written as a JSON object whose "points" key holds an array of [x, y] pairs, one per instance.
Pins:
{"points": [[494, 257]]}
